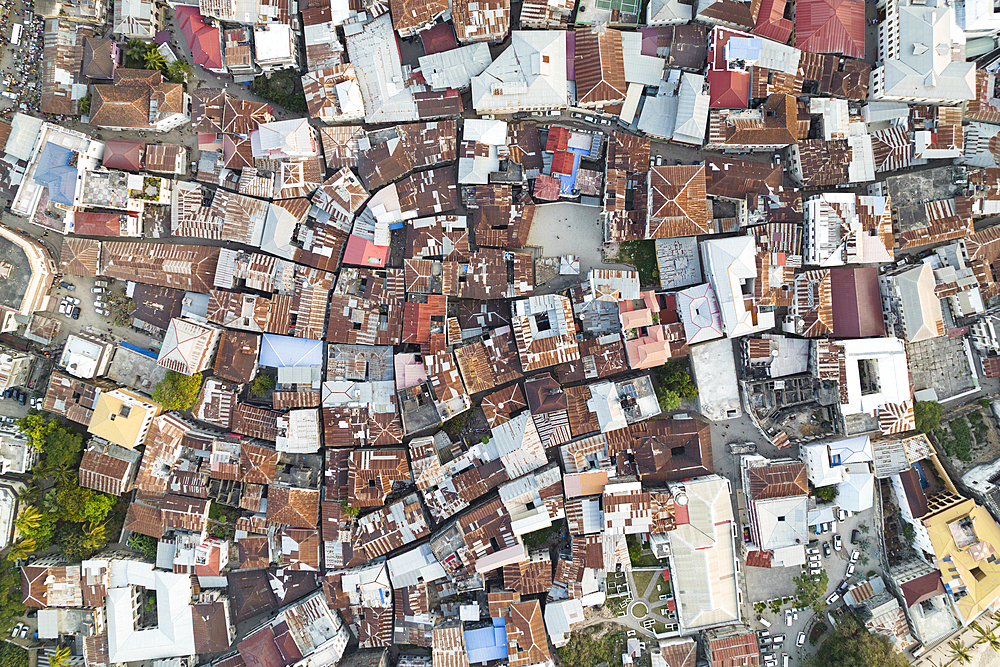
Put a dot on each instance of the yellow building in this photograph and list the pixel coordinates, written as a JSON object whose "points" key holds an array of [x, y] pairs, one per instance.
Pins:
{"points": [[123, 417], [966, 541]]}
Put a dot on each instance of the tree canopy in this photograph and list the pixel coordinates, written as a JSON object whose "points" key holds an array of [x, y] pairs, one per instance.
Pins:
{"points": [[927, 415], [177, 391], [675, 376], [261, 385], [809, 593], [37, 428], [81, 505], [825, 494], [850, 645]]}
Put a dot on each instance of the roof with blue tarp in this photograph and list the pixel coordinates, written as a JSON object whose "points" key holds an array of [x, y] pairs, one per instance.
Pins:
{"points": [[285, 351], [140, 350], [486, 644], [55, 172]]}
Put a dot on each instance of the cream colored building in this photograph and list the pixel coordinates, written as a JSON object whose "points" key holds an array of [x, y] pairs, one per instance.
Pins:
{"points": [[123, 417]]}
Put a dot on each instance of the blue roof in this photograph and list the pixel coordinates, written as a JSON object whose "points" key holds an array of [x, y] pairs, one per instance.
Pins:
{"points": [[55, 173], [284, 351], [486, 644], [140, 350]]}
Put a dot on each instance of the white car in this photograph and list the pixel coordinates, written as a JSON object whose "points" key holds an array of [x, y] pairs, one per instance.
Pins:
{"points": [[73, 300], [97, 290], [838, 543], [833, 598], [850, 569], [101, 311], [801, 639], [855, 555], [788, 617]]}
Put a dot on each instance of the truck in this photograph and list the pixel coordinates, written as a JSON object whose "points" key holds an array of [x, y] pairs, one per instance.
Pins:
{"points": [[65, 285]]}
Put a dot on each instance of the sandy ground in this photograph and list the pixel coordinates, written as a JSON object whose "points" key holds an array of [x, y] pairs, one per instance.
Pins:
{"points": [[569, 229]]}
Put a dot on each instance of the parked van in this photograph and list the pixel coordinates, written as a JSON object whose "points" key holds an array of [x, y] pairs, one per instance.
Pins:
{"points": [[763, 621]]}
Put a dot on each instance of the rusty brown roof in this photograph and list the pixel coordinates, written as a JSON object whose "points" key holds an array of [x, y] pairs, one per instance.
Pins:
{"points": [[778, 481], [600, 66], [678, 205]]}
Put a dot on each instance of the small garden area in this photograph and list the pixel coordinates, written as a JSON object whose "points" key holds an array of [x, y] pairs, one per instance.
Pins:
{"points": [[818, 631], [642, 579], [641, 255], [284, 88], [540, 537], [588, 649], [962, 435]]}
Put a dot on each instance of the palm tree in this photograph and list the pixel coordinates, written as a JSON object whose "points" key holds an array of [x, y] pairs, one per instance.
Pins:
{"points": [[21, 549], [93, 535], [60, 657], [989, 637], [959, 652], [136, 49], [155, 60], [28, 520]]}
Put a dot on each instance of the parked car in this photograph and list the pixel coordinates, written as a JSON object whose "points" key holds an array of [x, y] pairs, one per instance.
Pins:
{"points": [[801, 639], [855, 555], [24, 632], [102, 311], [763, 621], [838, 542], [101, 283], [778, 639], [22, 398], [73, 300], [826, 549], [76, 313], [65, 285], [855, 536], [17, 629], [833, 598], [850, 569], [65, 308], [97, 290], [788, 617], [841, 515]]}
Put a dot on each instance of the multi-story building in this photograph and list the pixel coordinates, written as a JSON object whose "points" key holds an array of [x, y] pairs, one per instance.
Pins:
{"points": [[921, 67]]}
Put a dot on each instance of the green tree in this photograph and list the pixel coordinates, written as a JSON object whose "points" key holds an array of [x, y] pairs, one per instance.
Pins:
{"points": [[37, 428], [825, 494], [987, 636], [84, 106], [348, 510], [63, 452], [60, 657], [959, 652], [82, 505], [927, 414], [154, 60], [144, 544], [179, 71], [809, 593], [177, 391], [668, 398], [136, 49], [28, 519], [850, 645], [10, 596], [12, 655], [21, 549], [676, 376], [261, 385]]}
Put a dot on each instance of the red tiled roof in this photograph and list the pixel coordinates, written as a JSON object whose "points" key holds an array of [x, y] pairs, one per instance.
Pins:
{"points": [[991, 367], [728, 90], [95, 223], [122, 154], [831, 26], [204, 42], [759, 559]]}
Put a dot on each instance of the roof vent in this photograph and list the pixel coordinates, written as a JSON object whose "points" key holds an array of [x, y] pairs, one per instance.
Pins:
{"points": [[681, 499]]}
